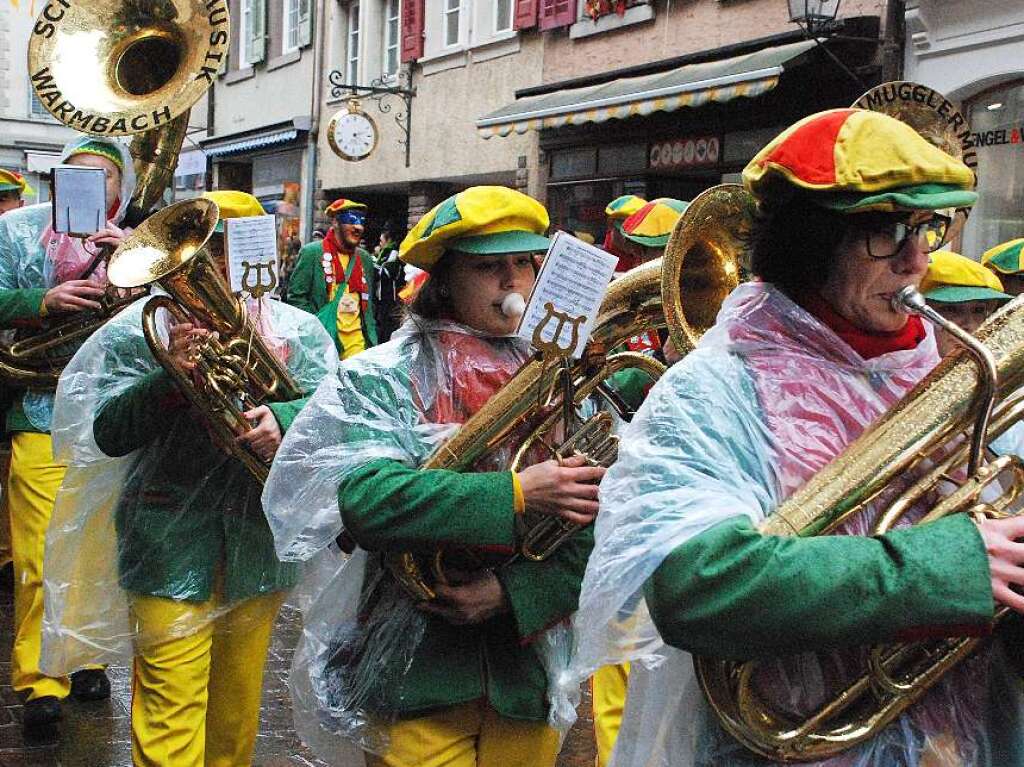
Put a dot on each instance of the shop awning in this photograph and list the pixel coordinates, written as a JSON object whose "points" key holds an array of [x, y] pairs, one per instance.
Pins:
{"points": [[691, 85], [254, 142]]}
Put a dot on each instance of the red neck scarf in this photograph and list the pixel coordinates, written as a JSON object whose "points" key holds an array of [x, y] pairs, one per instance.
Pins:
{"points": [[356, 282], [868, 344]]}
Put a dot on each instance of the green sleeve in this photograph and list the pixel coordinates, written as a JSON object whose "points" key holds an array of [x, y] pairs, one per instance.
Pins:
{"points": [[20, 304], [732, 592], [368, 318], [300, 284], [286, 412], [387, 505], [542, 593], [134, 417]]}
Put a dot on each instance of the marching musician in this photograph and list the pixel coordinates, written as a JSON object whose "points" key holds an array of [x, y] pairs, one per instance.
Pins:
{"points": [[458, 680], [333, 279], [41, 276], [185, 568], [797, 365], [1005, 260], [13, 188]]}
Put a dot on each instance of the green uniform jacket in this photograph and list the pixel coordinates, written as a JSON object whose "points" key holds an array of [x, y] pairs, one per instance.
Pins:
{"points": [[175, 532], [307, 290], [386, 505], [731, 592]]}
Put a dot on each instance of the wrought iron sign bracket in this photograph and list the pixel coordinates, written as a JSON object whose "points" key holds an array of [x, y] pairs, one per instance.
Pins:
{"points": [[382, 91]]}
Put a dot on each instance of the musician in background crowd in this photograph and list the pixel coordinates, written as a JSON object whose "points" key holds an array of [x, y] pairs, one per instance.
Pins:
{"points": [[41, 278], [184, 561], [333, 279], [1005, 260], [458, 680], [617, 211], [388, 282], [13, 188], [796, 367]]}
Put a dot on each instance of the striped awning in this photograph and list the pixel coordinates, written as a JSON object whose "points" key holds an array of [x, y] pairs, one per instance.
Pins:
{"points": [[254, 142], [691, 85]]}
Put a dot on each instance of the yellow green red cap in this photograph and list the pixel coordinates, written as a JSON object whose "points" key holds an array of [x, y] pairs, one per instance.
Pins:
{"points": [[14, 182], [342, 204], [856, 160], [952, 278], [479, 220], [234, 204], [1005, 257], [624, 206], [652, 224]]}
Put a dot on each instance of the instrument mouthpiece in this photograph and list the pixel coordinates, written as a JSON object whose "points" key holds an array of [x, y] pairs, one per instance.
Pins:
{"points": [[513, 305], [909, 301]]}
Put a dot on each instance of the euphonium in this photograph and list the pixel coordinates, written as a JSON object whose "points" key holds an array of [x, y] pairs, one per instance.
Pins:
{"points": [[682, 290], [118, 68], [235, 371]]}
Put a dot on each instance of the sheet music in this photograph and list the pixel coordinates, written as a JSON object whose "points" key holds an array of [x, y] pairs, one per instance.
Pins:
{"points": [[252, 254], [573, 278], [80, 199]]}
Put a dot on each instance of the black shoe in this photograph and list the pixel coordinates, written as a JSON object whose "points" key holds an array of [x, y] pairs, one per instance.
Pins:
{"points": [[41, 713], [90, 684]]}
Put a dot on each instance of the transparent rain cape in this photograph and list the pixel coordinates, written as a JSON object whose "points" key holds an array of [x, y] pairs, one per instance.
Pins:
{"points": [[770, 396], [398, 401], [24, 262], [87, 618]]}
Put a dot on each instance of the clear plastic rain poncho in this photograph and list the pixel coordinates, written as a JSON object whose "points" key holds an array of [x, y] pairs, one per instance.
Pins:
{"points": [[769, 397], [101, 549], [32, 255], [399, 401]]}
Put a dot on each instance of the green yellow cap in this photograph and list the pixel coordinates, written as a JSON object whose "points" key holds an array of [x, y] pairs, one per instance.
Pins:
{"points": [[624, 206], [855, 161], [952, 278], [99, 148], [480, 220], [14, 182], [234, 204], [1005, 257]]}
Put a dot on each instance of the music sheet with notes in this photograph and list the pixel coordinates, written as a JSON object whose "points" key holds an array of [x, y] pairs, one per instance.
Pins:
{"points": [[573, 280], [252, 254]]}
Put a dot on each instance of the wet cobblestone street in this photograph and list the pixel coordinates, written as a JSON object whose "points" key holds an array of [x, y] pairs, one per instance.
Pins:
{"points": [[98, 734]]}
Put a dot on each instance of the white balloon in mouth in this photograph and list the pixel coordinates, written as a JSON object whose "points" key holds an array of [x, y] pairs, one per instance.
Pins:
{"points": [[513, 305]]}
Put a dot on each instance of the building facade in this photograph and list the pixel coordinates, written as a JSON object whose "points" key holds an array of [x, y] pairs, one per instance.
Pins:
{"points": [[971, 53]]}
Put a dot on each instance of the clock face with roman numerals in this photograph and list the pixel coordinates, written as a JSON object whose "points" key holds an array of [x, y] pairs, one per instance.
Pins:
{"points": [[352, 135]]}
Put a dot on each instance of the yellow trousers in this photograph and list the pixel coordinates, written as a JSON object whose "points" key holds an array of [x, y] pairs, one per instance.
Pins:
{"points": [[31, 489], [196, 698], [469, 735], [609, 694]]}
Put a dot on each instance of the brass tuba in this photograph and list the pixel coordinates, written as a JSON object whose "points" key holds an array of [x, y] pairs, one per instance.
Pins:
{"points": [[118, 68], [683, 290], [235, 370], [937, 430]]}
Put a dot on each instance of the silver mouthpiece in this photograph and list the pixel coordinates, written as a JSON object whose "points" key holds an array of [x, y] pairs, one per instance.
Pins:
{"points": [[513, 305], [909, 301]]}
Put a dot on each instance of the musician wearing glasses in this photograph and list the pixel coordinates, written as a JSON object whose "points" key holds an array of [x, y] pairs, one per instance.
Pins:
{"points": [[42, 276], [186, 580], [797, 366], [459, 679], [333, 279]]}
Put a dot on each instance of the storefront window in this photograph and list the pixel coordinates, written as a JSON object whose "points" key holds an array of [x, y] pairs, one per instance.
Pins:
{"points": [[580, 207], [997, 120]]}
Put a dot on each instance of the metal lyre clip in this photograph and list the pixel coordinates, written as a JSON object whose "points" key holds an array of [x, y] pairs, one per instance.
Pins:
{"points": [[552, 352]]}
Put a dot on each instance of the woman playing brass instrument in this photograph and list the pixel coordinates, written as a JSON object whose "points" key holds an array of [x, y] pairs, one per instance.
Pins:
{"points": [[458, 680], [169, 528], [796, 367], [42, 278]]}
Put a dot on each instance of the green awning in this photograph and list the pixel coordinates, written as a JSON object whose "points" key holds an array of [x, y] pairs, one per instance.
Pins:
{"points": [[691, 85]]}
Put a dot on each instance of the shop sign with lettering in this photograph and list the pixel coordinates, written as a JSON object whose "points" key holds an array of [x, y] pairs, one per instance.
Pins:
{"points": [[691, 152]]}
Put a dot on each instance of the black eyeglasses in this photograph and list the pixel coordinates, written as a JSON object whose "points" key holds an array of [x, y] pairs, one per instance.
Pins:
{"points": [[887, 240]]}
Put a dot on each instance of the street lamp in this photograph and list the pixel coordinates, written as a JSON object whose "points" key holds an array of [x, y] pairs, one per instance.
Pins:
{"points": [[816, 16]]}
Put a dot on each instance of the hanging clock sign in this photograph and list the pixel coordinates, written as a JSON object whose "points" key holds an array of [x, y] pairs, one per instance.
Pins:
{"points": [[352, 133]]}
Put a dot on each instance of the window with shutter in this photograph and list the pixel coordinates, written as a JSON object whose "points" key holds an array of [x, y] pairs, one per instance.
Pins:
{"points": [[352, 49], [255, 31], [526, 14], [392, 37], [305, 22], [412, 29], [290, 17], [556, 13]]}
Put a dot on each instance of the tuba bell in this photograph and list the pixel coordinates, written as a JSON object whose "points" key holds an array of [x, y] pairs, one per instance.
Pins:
{"points": [[937, 431], [683, 290], [235, 370], [118, 68]]}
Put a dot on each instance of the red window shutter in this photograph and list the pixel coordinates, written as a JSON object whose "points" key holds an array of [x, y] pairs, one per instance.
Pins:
{"points": [[526, 14], [557, 13], [412, 29]]}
